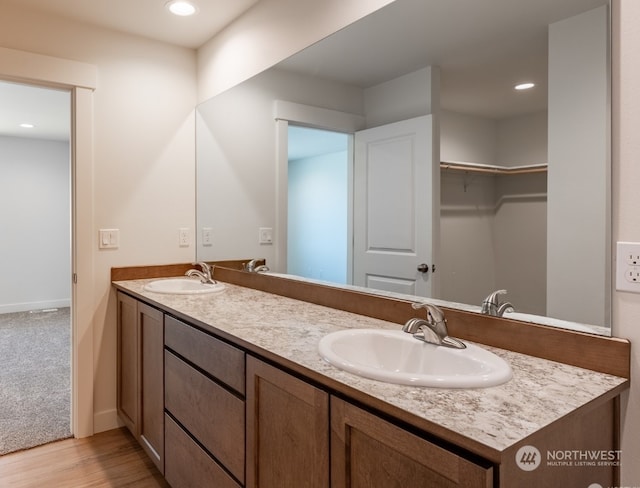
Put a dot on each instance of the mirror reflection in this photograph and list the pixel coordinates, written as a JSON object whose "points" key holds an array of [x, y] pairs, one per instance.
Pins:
{"points": [[397, 154]]}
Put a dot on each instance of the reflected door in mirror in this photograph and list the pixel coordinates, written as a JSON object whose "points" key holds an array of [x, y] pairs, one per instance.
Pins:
{"points": [[393, 228]]}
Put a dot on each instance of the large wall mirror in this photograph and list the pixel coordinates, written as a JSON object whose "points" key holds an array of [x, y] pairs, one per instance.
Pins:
{"points": [[398, 155]]}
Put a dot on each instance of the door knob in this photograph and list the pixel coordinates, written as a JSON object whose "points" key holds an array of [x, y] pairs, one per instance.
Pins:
{"points": [[423, 268]]}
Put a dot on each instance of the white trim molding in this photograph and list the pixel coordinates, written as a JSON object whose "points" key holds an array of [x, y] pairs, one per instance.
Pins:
{"points": [[321, 118], [22, 65], [80, 79]]}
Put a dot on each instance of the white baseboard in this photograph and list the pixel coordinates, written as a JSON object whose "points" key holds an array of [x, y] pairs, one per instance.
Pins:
{"points": [[106, 420], [26, 306]]}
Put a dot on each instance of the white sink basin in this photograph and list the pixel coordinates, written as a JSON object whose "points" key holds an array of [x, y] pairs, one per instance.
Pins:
{"points": [[395, 356], [182, 286]]}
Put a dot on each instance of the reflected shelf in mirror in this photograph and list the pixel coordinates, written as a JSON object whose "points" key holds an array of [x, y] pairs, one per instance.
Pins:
{"points": [[493, 169]]}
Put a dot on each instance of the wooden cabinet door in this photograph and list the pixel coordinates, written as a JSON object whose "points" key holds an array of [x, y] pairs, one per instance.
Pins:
{"points": [[127, 392], [151, 365], [140, 388], [287, 430], [369, 452]]}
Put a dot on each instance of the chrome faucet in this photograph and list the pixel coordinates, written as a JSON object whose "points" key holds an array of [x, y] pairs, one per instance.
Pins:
{"points": [[206, 275], [492, 306], [432, 330], [253, 267]]}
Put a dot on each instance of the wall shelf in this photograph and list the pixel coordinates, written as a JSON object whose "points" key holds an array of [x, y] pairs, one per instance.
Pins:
{"points": [[493, 169]]}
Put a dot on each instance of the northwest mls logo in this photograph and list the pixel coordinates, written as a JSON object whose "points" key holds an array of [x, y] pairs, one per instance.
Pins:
{"points": [[528, 458]]}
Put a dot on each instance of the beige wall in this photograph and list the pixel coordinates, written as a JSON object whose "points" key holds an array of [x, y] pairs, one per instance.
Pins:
{"points": [[144, 124], [144, 151], [143, 157], [626, 204], [269, 32]]}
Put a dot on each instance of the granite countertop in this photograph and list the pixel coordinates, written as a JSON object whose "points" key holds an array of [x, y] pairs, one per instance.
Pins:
{"points": [[498, 417]]}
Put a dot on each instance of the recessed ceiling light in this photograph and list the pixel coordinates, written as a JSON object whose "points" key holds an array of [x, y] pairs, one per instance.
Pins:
{"points": [[181, 7], [27, 126], [524, 86]]}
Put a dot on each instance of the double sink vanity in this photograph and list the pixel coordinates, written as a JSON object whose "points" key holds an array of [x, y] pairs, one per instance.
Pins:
{"points": [[261, 381]]}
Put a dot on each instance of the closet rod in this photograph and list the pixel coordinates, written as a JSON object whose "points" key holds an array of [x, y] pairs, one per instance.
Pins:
{"points": [[498, 170]]}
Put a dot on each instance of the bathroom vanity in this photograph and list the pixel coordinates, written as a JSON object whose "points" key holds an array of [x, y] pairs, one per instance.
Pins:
{"points": [[228, 390]]}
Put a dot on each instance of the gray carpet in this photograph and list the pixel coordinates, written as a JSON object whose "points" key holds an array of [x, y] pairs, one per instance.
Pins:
{"points": [[35, 378]]}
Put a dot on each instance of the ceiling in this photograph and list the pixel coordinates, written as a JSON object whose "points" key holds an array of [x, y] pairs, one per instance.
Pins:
{"points": [[482, 47], [305, 142], [49, 110], [147, 18]]}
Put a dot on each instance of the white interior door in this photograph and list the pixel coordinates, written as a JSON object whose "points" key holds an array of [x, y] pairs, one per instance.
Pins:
{"points": [[393, 207]]}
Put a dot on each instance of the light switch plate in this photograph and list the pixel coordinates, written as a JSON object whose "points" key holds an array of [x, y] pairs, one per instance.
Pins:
{"points": [[265, 235], [108, 238]]}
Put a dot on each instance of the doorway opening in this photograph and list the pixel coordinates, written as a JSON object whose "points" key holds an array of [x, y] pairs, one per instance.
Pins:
{"points": [[318, 204], [35, 256]]}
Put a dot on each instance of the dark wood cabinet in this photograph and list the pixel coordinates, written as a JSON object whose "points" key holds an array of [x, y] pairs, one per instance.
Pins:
{"points": [[127, 392], [216, 358], [151, 432], [204, 399], [211, 415], [290, 434], [140, 374], [188, 465], [287, 430], [369, 452]]}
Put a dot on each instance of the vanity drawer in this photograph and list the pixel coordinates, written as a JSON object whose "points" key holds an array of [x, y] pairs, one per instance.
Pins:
{"points": [[212, 414], [219, 359], [187, 464]]}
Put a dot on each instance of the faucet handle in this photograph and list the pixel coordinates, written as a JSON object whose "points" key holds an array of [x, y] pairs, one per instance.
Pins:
{"points": [[493, 297], [434, 329], [207, 270], [253, 266], [434, 314], [202, 264], [491, 305]]}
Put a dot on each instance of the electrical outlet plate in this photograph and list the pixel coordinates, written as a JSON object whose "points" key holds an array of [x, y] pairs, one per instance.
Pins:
{"points": [[183, 237], [207, 236], [628, 266]]}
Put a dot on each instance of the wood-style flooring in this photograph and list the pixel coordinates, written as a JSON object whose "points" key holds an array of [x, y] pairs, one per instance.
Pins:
{"points": [[109, 459]]}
